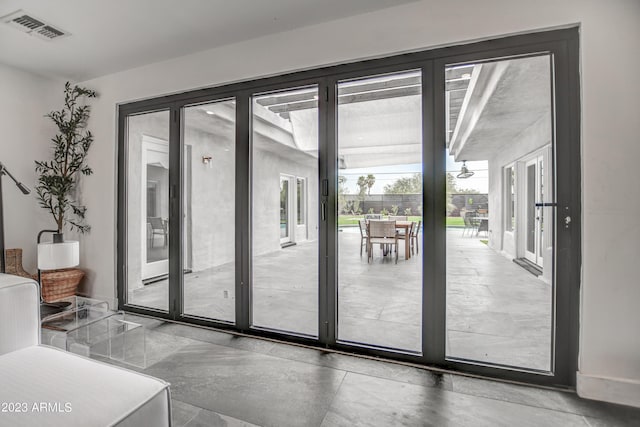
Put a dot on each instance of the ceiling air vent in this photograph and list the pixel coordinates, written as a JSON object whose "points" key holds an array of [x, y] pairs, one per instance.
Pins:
{"points": [[26, 23], [33, 26], [48, 32]]}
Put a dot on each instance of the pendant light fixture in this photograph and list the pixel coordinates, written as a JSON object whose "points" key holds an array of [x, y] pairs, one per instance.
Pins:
{"points": [[464, 172]]}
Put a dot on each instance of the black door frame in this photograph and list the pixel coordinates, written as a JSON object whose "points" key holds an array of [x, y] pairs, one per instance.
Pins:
{"points": [[562, 44], [566, 155]]}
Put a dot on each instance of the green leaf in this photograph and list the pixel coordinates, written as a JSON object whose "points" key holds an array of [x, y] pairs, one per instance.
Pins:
{"points": [[58, 177]]}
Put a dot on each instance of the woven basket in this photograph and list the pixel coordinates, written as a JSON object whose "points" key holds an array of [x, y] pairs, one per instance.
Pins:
{"points": [[58, 284]]}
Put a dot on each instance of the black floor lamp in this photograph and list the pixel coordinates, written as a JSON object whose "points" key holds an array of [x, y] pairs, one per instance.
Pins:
{"points": [[25, 190]]}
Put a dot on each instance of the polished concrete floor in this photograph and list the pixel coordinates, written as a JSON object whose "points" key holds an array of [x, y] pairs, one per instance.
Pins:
{"points": [[496, 311], [218, 379]]}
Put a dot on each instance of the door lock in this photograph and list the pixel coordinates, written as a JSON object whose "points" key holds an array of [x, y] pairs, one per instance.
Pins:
{"points": [[567, 221]]}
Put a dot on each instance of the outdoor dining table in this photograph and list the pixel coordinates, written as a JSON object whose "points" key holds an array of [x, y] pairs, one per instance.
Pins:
{"points": [[406, 226], [482, 223]]}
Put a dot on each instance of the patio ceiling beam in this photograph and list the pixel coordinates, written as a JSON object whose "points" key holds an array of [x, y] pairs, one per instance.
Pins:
{"points": [[380, 94], [456, 85], [287, 99], [409, 147], [294, 106], [349, 99], [375, 159], [347, 94], [345, 90], [349, 89]]}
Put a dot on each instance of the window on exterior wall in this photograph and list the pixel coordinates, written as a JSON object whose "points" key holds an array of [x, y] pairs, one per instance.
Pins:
{"points": [[301, 201], [510, 199]]}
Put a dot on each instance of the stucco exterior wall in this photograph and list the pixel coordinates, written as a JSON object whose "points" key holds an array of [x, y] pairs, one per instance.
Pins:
{"points": [[530, 141], [267, 168]]}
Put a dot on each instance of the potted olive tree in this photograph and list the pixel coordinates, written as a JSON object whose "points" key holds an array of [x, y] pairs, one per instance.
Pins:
{"points": [[56, 191]]}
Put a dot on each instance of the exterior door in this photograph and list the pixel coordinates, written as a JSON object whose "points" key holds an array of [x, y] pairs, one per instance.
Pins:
{"points": [[286, 236], [534, 216], [500, 313], [285, 259], [300, 211], [155, 176]]}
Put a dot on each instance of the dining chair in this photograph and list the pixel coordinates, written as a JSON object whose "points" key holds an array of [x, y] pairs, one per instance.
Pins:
{"points": [[469, 225], [383, 233], [409, 235], [159, 227], [399, 218], [363, 235]]}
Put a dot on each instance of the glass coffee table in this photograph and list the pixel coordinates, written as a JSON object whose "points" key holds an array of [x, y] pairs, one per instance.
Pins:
{"points": [[89, 328]]}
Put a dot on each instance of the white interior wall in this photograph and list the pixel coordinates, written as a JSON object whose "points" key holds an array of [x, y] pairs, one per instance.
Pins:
{"points": [[609, 348], [24, 101]]}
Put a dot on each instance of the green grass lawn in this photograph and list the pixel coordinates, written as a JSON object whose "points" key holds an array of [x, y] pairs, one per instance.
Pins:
{"points": [[455, 221], [352, 220]]}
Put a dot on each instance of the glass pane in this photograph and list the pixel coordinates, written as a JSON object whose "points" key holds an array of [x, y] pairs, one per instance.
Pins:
{"points": [[148, 209], [380, 194], [510, 219], [531, 210], [284, 208], [285, 247], [499, 275], [209, 210], [300, 201], [511, 178]]}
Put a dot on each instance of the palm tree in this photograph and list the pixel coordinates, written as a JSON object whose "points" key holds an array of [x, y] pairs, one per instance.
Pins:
{"points": [[370, 180], [362, 183]]}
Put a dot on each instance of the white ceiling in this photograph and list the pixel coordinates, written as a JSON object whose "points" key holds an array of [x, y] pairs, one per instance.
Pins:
{"points": [[108, 36]]}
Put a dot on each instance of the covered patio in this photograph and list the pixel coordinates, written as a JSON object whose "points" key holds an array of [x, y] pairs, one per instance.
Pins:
{"points": [[496, 311]]}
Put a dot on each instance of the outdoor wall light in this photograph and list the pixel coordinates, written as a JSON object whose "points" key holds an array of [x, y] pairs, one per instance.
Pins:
{"points": [[207, 161], [464, 172]]}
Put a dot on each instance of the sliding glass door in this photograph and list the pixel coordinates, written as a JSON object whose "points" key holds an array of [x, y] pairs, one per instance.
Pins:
{"points": [[423, 207], [147, 175], [500, 293], [208, 140], [284, 221], [380, 183]]}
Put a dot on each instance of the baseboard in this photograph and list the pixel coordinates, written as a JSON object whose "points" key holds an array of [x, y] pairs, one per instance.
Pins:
{"points": [[613, 390]]}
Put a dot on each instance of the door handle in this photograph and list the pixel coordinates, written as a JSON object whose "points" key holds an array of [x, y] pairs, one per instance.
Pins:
{"points": [[323, 211]]}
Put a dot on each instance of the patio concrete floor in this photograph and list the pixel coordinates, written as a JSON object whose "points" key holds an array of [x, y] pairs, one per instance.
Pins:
{"points": [[497, 312]]}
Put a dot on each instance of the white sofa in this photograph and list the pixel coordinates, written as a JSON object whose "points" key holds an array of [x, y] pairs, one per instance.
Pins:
{"points": [[45, 386]]}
